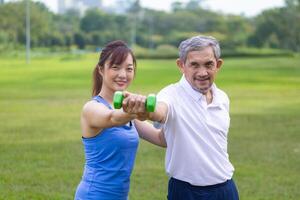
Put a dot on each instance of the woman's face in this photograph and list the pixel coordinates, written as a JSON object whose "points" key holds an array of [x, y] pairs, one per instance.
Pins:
{"points": [[118, 77]]}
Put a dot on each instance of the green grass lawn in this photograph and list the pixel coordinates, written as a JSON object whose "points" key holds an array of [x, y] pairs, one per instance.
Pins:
{"points": [[40, 139]]}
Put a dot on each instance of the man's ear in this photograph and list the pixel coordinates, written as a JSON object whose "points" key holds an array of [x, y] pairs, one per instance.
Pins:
{"points": [[219, 64], [180, 65]]}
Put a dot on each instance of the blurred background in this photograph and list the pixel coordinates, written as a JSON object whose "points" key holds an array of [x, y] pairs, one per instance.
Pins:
{"points": [[48, 50], [153, 30]]}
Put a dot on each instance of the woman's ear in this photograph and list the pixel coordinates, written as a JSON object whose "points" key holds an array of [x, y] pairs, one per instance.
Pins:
{"points": [[100, 70]]}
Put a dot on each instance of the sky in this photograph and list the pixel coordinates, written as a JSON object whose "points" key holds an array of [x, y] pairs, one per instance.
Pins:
{"points": [[246, 7]]}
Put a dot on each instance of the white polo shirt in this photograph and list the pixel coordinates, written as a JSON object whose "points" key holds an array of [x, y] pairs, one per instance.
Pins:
{"points": [[196, 134]]}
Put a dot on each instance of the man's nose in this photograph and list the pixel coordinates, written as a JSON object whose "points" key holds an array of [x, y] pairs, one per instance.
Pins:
{"points": [[202, 71]]}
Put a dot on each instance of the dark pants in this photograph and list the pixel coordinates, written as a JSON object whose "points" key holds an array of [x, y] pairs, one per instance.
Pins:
{"points": [[180, 190]]}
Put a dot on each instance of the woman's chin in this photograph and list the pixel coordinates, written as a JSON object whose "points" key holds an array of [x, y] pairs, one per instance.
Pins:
{"points": [[121, 88]]}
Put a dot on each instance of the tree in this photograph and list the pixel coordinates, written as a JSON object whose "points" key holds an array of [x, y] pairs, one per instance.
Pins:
{"points": [[176, 6], [95, 20], [193, 4], [79, 40], [280, 24]]}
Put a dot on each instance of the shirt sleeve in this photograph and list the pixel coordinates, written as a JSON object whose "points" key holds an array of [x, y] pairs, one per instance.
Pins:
{"points": [[227, 103]]}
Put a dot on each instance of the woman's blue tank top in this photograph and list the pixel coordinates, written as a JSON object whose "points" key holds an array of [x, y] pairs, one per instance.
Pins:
{"points": [[109, 162]]}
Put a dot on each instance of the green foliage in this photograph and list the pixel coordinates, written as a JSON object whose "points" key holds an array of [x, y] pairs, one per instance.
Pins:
{"points": [[278, 28], [79, 40], [161, 52], [257, 52], [274, 28], [95, 20]]}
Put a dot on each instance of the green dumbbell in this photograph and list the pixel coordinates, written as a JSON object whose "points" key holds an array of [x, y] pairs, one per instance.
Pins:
{"points": [[150, 101]]}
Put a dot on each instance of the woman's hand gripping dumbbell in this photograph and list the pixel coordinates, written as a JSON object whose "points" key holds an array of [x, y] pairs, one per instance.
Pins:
{"points": [[149, 104]]}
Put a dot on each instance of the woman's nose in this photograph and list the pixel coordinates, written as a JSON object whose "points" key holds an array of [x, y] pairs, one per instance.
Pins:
{"points": [[122, 73]]}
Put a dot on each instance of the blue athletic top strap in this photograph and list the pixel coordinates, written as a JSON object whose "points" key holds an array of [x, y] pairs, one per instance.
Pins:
{"points": [[101, 100]]}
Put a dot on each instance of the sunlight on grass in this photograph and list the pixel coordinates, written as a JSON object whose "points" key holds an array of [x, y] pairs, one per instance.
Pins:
{"points": [[40, 142]]}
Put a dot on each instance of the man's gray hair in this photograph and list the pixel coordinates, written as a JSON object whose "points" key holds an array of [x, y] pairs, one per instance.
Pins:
{"points": [[198, 43]]}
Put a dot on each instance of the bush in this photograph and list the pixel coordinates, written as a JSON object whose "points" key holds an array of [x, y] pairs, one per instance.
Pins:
{"points": [[161, 52], [255, 52]]}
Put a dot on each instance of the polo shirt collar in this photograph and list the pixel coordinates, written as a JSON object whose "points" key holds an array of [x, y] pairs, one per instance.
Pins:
{"points": [[196, 95]]}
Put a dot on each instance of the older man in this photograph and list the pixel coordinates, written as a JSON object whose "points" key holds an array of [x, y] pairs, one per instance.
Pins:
{"points": [[194, 114]]}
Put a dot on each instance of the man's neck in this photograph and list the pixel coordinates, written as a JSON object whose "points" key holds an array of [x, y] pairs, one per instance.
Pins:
{"points": [[208, 96]]}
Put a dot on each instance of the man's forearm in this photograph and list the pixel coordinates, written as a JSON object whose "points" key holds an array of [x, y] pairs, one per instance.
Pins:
{"points": [[160, 113]]}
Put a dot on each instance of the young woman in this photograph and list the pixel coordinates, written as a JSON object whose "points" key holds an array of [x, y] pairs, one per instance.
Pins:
{"points": [[110, 137]]}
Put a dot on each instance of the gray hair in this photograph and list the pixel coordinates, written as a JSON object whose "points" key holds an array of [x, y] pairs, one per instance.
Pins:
{"points": [[198, 43]]}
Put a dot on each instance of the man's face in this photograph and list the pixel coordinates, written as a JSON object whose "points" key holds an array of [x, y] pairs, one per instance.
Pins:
{"points": [[200, 68]]}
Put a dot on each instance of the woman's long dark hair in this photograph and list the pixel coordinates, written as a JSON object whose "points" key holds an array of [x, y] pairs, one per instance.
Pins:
{"points": [[115, 52]]}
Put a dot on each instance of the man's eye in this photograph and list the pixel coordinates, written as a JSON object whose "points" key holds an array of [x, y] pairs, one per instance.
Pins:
{"points": [[209, 65], [130, 69], [195, 65]]}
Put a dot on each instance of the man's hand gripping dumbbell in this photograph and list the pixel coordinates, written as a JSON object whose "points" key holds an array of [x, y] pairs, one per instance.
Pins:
{"points": [[135, 104]]}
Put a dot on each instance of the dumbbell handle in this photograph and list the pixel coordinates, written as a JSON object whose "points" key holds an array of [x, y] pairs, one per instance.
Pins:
{"points": [[150, 101]]}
